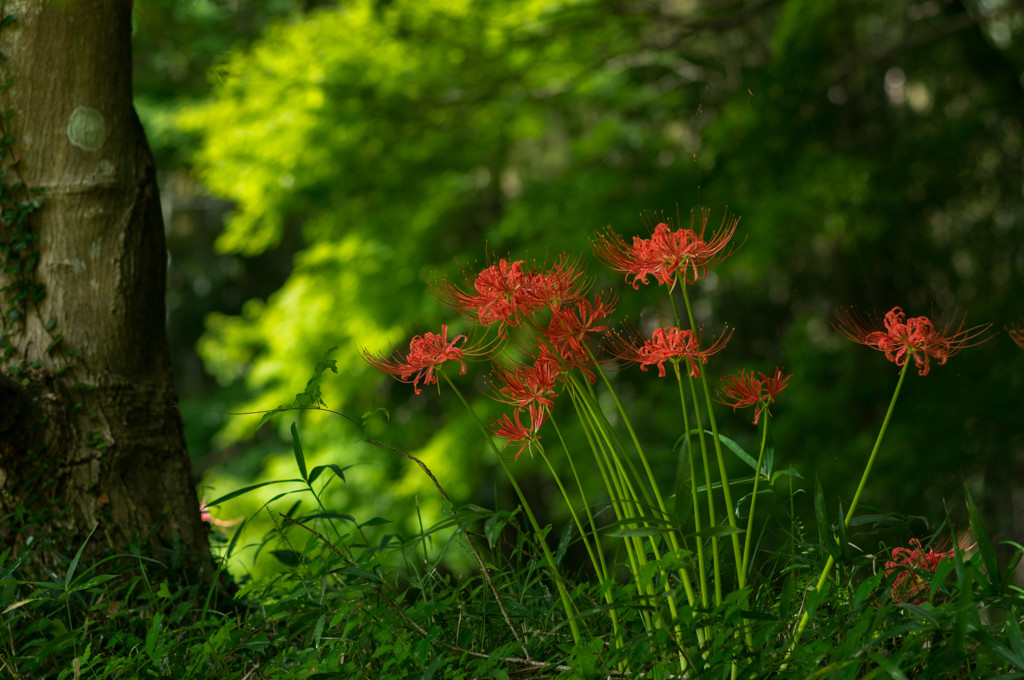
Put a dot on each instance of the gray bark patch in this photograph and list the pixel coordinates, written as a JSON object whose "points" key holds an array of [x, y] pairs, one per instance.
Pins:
{"points": [[87, 129]]}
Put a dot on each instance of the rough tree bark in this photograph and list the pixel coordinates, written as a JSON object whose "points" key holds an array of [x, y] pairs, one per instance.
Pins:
{"points": [[91, 433]]}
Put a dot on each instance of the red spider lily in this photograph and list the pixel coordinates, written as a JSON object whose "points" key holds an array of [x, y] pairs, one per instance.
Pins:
{"points": [[912, 566], [668, 252], [569, 327], [914, 338], [669, 344], [495, 299], [747, 390], [513, 431], [426, 352], [560, 285], [530, 387], [507, 293], [1017, 335]]}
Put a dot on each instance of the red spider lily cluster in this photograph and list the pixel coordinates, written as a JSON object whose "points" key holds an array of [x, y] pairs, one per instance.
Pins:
{"points": [[554, 306], [915, 338], [912, 566], [561, 317], [747, 390], [530, 389], [668, 253]]}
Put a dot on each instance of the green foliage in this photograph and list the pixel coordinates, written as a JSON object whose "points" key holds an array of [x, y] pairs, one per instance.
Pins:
{"points": [[387, 138], [346, 606]]}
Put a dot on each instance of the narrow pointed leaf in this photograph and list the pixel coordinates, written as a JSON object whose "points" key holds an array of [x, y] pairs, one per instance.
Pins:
{"points": [[984, 543], [246, 489], [300, 459], [738, 451], [78, 555], [825, 536]]}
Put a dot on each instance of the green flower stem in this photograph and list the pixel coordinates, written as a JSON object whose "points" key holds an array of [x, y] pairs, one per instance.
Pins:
{"points": [[597, 560], [548, 557], [753, 497], [662, 508], [601, 567], [622, 488], [716, 560], [634, 549], [830, 562], [602, 426], [712, 514], [701, 572], [636, 441], [572, 511], [726, 492]]}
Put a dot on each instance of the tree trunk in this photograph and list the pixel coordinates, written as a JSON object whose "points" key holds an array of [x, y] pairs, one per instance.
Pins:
{"points": [[91, 434]]}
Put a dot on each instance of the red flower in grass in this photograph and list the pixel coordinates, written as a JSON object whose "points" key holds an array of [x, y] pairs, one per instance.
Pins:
{"points": [[668, 252], [668, 344], [206, 516], [514, 432], [426, 352], [1017, 335], [746, 390], [913, 568], [915, 338]]}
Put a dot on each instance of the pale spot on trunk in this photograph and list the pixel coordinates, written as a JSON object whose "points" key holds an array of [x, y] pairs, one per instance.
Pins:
{"points": [[87, 129]]}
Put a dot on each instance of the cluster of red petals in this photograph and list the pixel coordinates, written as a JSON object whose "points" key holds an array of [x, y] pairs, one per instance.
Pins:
{"points": [[748, 390], [571, 325], [514, 432], [529, 388], [911, 566], [669, 344], [505, 293], [668, 253], [532, 389], [914, 338], [426, 352]]}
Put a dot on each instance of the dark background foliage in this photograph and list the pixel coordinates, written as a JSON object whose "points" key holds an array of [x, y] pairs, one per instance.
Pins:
{"points": [[874, 150]]}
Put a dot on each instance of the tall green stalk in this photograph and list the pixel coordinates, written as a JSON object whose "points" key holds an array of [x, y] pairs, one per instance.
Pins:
{"points": [[726, 491], [662, 508], [595, 553], [702, 572], [830, 562], [753, 497]]}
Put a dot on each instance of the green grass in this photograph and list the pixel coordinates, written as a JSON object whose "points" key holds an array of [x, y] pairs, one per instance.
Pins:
{"points": [[352, 601]]}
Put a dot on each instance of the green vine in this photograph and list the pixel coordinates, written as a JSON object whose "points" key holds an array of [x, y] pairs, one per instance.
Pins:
{"points": [[18, 253]]}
